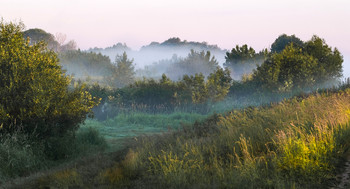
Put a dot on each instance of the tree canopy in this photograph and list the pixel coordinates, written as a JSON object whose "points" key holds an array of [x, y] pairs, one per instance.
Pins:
{"points": [[284, 40], [242, 60], [299, 67], [123, 71], [34, 92], [38, 35], [195, 62], [82, 64], [329, 60]]}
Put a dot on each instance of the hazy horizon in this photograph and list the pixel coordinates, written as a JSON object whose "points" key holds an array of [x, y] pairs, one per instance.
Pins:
{"points": [[225, 23]]}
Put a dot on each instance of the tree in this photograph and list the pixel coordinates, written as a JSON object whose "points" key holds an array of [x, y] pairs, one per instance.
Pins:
{"points": [[311, 64], [38, 35], [218, 84], [197, 86], [329, 60], [83, 64], [291, 69], [35, 96], [284, 40], [70, 46], [242, 60], [194, 63], [124, 72]]}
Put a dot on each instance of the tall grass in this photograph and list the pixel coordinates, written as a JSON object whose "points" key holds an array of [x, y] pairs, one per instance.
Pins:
{"points": [[296, 143], [21, 154]]}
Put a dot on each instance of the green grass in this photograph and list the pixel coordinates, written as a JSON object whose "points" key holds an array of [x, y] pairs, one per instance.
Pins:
{"points": [[21, 156], [297, 143], [126, 126]]}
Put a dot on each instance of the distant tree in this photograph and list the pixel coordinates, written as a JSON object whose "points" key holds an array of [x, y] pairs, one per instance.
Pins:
{"points": [[60, 38], [172, 41], [197, 86], [70, 46], [329, 60], [123, 73], [38, 35], [158, 68], [84, 64], [218, 84], [284, 40], [35, 96], [288, 70], [242, 60], [195, 62]]}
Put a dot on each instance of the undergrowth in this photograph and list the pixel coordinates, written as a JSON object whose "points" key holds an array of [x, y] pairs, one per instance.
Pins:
{"points": [[22, 155]]}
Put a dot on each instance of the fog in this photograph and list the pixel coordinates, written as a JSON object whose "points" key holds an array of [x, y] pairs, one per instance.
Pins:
{"points": [[156, 58], [346, 67]]}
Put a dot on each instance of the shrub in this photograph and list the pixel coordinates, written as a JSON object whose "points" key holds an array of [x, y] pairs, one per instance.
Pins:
{"points": [[34, 93]]}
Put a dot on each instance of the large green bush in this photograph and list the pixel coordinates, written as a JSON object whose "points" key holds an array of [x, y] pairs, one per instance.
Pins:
{"points": [[34, 92]]}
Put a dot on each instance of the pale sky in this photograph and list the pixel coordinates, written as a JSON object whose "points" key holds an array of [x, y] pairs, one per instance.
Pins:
{"points": [[102, 23]]}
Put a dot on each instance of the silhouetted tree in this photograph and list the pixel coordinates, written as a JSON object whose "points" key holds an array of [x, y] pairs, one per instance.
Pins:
{"points": [[38, 35], [284, 40]]}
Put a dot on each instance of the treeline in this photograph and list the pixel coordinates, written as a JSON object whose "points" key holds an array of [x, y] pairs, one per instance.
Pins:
{"points": [[291, 66], [157, 51], [192, 93]]}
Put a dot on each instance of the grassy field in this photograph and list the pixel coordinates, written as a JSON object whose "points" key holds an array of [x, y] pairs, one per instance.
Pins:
{"points": [[125, 126], [297, 143]]}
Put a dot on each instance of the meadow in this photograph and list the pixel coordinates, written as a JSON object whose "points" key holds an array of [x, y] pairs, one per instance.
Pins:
{"points": [[299, 142], [272, 129]]}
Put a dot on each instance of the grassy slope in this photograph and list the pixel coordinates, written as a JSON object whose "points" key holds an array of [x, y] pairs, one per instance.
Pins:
{"points": [[296, 143]]}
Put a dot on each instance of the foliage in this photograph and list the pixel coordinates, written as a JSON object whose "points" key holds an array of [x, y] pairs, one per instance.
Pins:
{"points": [[123, 73], [197, 87], [284, 40], [288, 70], [38, 35], [192, 93], [329, 60], [177, 42], [34, 91], [242, 60], [195, 62], [19, 156], [83, 64], [53, 42], [218, 84], [300, 68]]}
